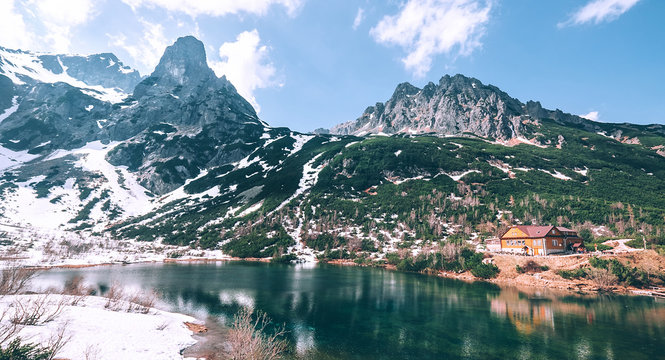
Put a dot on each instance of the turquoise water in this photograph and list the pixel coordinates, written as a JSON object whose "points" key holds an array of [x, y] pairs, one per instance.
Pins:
{"points": [[336, 312]]}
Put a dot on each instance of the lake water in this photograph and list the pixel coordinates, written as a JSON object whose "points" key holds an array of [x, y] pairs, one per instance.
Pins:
{"points": [[334, 312]]}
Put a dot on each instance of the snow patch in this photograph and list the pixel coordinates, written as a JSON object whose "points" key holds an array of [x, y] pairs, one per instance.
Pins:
{"points": [[556, 174], [582, 172], [12, 109], [9, 158], [458, 176]]}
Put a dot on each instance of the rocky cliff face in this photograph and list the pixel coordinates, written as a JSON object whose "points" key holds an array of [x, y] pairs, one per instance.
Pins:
{"points": [[170, 125], [181, 119], [455, 105]]}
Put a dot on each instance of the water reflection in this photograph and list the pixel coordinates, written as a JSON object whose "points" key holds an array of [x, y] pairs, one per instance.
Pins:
{"points": [[351, 313]]}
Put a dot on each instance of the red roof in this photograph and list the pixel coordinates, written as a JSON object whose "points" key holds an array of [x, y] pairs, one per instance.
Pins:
{"points": [[534, 230], [537, 231]]}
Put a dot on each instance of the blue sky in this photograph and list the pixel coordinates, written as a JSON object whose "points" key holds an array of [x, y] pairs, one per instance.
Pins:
{"points": [[315, 63]]}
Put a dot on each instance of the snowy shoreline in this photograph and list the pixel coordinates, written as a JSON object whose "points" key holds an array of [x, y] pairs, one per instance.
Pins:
{"points": [[97, 331]]}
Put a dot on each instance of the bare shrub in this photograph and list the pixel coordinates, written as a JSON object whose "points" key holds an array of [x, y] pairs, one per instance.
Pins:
{"points": [[91, 352], [531, 267], [603, 278], [450, 250], [57, 341], [249, 339], [141, 302], [76, 286], [76, 289], [15, 279], [40, 310], [8, 329], [114, 297]]}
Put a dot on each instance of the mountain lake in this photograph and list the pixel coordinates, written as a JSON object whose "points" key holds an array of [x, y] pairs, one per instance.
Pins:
{"points": [[336, 312]]}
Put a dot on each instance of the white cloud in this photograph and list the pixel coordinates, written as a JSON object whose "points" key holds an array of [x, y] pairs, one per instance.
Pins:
{"points": [[13, 31], [598, 11], [217, 7], [593, 115], [59, 18], [425, 28], [42, 24], [147, 51], [246, 64], [360, 16]]}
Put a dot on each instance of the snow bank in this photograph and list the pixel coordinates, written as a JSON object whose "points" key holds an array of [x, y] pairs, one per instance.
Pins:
{"points": [[100, 333]]}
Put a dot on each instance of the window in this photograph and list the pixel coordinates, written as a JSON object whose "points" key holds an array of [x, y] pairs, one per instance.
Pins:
{"points": [[555, 243]]}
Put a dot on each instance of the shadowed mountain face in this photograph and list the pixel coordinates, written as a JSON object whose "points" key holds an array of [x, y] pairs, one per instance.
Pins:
{"points": [[454, 106]]}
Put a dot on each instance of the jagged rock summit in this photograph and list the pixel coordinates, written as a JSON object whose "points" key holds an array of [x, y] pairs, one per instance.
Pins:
{"points": [[454, 106]]}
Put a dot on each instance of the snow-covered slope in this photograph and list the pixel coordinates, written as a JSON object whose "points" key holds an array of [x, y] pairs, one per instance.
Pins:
{"points": [[23, 67]]}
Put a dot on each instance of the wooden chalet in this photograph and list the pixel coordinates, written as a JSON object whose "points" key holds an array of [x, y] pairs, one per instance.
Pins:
{"points": [[540, 240]]}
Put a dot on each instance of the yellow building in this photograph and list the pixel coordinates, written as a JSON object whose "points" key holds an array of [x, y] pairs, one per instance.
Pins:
{"points": [[540, 240]]}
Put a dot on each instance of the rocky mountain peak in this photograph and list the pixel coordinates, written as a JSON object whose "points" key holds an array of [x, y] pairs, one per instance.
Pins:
{"points": [[403, 90], [184, 62], [456, 105]]}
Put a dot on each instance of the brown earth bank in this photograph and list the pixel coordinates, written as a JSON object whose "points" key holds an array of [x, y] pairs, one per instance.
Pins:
{"points": [[211, 344], [647, 260]]}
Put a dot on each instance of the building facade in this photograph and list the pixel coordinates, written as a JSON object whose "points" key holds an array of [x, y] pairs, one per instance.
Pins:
{"points": [[539, 240]]}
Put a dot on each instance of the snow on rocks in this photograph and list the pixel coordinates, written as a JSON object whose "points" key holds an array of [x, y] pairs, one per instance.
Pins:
{"points": [[20, 64], [31, 246], [23, 205], [104, 334]]}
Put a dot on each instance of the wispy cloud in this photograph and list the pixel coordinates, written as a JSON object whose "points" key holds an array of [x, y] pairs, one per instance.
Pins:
{"points": [[60, 17], [217, 7], [145, 50], [426, 28], [598, 11], [593, 115], [247, 65], [360, 16]]}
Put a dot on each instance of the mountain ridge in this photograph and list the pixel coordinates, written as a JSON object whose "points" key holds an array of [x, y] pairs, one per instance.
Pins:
{"points": [[185, 160], [456, 105]]}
